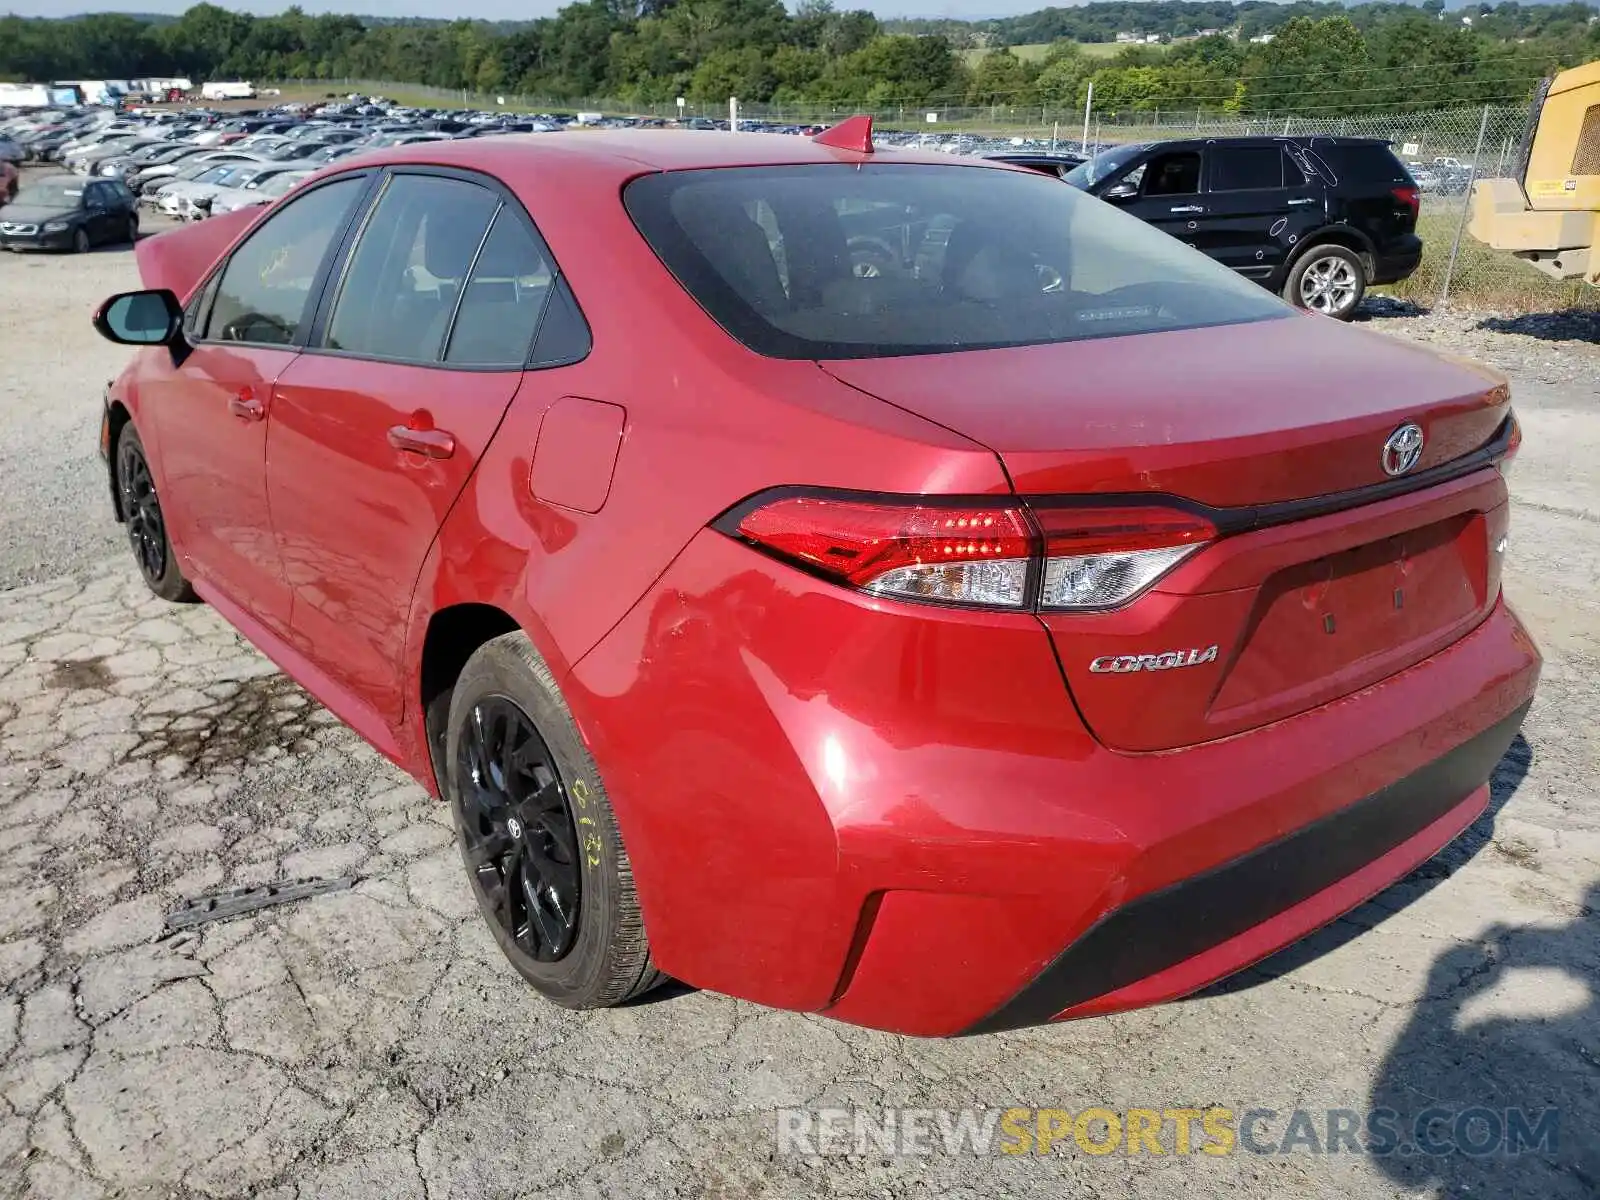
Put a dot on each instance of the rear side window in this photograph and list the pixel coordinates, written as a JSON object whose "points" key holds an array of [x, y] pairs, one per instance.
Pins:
{"points": [[1246, 168], [846, 261], [262, 294], [503, 300], [1362, 165], [409, 267]]}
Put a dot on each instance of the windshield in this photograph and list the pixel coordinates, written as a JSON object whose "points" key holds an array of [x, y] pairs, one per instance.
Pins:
{"points": [[887, 259], [51, 193], [279, 184], [1106, 163]]}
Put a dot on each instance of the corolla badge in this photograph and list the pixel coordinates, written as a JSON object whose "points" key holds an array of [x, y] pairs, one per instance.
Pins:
{"points": [[1121, 664], [1401, 451]]}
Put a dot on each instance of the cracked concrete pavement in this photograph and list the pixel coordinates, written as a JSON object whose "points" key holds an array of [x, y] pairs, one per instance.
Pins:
{"points": [[372, 1043]]}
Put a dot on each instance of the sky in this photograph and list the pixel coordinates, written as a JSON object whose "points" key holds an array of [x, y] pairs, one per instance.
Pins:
{"points": [[494, 10]]}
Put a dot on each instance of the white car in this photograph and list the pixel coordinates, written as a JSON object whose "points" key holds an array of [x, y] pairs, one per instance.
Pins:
{"points": [[190, 199], [257, 192], [156, 180]]}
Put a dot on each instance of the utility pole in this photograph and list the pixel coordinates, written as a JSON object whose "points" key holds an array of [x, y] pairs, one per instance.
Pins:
{"points": [[1088, 107]]}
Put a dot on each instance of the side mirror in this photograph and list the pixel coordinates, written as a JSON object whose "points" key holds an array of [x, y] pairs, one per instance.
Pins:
{"points": [[152, 318], [1121, 191]]}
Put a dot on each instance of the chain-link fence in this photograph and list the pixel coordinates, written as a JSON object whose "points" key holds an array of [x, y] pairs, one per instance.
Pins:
{"points": [[1446, 150]]}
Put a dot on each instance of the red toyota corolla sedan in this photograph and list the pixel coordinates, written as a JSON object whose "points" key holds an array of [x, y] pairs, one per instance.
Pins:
{"points": [[875, 584]]}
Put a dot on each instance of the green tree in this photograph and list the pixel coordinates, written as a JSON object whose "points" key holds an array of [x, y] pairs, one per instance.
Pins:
{"points": [[745, 73], [1317, 67], [1001, 78], [1065, 75]]}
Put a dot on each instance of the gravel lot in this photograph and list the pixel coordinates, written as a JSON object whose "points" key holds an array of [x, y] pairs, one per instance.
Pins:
{"points": [[373, 1044]]}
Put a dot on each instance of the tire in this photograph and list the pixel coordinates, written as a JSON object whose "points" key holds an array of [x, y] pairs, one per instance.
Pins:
{"points": [[132, 233], [80, 240], [584, 949], [871, 258], [147, 525], [1329, 279]]}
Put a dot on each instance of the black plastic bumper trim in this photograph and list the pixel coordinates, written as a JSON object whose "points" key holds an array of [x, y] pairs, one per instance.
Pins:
{"points": [[1163, 928]]}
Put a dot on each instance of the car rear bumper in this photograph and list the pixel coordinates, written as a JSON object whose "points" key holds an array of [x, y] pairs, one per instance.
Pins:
{"points": [[1167, 943], [898, 819], [1398, 260]]}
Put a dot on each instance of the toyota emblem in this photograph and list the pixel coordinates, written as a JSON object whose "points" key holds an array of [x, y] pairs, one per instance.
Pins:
{"points": [[1403, 449]]}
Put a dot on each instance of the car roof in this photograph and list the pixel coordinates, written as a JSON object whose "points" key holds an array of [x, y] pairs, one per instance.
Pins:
{"points": [[1276, 139], [628, 152]]}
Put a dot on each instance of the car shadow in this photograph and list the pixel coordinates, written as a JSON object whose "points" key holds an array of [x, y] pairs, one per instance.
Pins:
{"points": [[667, 989], [1570, 325], [1508, 775], [1378, 308], [1491, 1102]]}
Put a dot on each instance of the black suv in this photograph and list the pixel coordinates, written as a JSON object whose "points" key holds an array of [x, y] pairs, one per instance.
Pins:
{"points": [[1314, 219]]}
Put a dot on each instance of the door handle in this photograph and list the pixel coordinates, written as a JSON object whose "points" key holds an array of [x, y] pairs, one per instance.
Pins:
{"points": [[1304, 200], [246, 405], [1189, 208], [430, 443]]}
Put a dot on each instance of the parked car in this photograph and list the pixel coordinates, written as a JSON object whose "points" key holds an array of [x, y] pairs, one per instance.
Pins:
{"points": [[177, 198], [1054, 594], [1047, 164], [8, 182], [149, 184], [1317, 220], [11, 151], [65, 212], [263, 189]]}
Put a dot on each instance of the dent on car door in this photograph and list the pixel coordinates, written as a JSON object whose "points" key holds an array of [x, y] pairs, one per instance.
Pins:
{"points": [[377, 428], [1257, 202], [210, 414]]}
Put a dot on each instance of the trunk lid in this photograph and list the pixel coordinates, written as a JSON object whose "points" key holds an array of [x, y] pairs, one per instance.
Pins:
{"points": [[1236, 415], [1266, 621]]}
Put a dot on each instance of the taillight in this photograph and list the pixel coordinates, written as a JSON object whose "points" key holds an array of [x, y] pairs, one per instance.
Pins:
{"points": [[969, 555], [1409, 196], [991, 555], [1103, 557]]}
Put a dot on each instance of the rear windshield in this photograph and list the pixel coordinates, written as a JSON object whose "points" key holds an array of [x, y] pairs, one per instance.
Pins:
{"points": [[892, 259], [1362, 165]]}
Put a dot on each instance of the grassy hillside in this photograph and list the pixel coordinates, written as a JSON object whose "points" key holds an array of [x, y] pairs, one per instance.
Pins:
{"points": [[1034, 51]]}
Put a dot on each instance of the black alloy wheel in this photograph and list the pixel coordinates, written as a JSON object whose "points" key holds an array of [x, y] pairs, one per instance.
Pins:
{"points": [[518, 835], [147, 530]]}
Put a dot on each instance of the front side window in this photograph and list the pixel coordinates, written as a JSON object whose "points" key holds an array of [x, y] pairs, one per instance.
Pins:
{"points": [[1246, 168], [1175, 174], [1104, 165], [408, 270], [888, 259], [263, 291]]}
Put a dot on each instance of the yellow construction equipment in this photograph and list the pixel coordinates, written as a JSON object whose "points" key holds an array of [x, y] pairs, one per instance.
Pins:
{"points": [[1550, 214]]}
